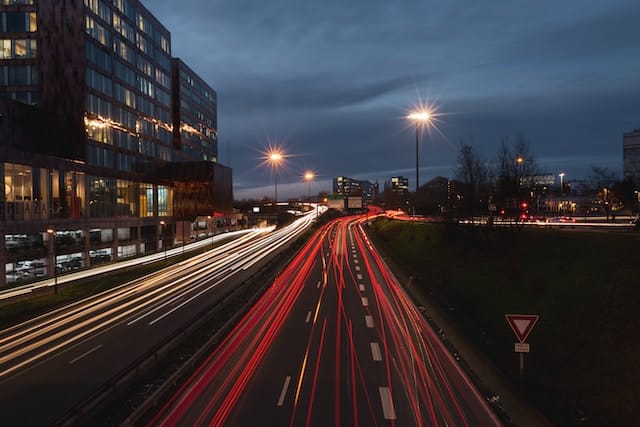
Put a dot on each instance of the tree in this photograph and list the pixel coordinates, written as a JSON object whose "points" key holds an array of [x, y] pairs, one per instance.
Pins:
{"points": [[473, 174], [515, 171]]}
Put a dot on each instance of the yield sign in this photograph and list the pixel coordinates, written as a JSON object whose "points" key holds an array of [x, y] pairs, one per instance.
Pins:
{"points": [[522, 324]]}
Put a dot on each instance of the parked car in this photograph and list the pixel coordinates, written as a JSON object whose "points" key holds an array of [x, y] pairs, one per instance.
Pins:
{"points": [[35, 267], [18, 276]]}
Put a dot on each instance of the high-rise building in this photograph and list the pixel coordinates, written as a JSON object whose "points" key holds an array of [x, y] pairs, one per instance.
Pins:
{"points": [[631, 157], [104, 137]]}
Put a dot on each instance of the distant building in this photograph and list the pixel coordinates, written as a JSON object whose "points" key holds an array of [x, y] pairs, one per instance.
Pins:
{"points": [[631, 156], [400, 184], [347, 187]]}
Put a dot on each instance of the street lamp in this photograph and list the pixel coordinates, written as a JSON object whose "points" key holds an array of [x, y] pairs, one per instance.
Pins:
{"points": [[421, 118], [164, 245], [561, 175], [308, 176], [275, 157], [52, 234]]}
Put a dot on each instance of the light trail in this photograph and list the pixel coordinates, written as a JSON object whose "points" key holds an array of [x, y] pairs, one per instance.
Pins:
{"points": [[44, 336], [386, 367]]}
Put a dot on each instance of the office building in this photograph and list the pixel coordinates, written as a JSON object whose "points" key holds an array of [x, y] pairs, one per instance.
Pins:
{"points": [[400, 184], [105, 139], [349, 187]]}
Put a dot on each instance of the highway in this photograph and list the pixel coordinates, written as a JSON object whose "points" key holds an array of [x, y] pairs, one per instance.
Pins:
{"points": [[334, 341], [55, 360]]}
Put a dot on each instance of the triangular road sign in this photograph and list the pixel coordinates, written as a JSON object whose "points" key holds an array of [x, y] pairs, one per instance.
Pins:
{"points": [[522, 324]]}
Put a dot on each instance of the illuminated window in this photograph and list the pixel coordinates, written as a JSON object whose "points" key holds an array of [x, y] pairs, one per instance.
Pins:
{"points": [[18, 182], [5, 49], [146, 200], [33, 22], [165, 201], [126, 198]]}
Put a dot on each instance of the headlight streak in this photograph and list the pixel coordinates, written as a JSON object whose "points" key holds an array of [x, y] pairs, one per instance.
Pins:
{"points": [[419, 372], [47, 333], [97, 301], [249, 340]]}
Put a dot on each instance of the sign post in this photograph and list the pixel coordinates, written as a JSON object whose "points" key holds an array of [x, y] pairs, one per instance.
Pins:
{"points": [[521, 325]]}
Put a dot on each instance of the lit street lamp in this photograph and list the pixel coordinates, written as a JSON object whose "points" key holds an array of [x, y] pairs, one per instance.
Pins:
{"points": [[561, 175], [275, 157], [308, 176], [421, 118], [52, 235]]}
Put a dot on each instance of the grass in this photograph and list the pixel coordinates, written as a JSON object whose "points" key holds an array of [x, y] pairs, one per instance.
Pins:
{"points": [[583, 367]]}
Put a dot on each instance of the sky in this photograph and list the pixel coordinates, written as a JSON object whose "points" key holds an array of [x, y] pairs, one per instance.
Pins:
{"points": [[331, 83]]}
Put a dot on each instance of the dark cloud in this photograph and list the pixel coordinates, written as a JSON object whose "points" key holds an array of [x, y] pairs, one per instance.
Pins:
{"points": [[333, 80]]}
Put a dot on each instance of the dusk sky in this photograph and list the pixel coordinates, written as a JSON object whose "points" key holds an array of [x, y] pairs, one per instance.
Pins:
{"points": [[333, 81]]}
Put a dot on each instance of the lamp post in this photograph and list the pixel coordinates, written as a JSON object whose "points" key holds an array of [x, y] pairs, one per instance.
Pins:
{"points": [[421, 118], [561, 175], [164, 246], [275, 157], [308, 176], [52, 234]]}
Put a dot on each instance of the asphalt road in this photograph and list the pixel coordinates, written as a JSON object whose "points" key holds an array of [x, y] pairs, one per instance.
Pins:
{"points": [[52, 362], [334, 341]]}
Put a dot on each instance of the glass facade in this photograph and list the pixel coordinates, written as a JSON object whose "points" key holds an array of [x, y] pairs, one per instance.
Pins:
{"points": [[19, 73], [119, 116], [196, 125], [128, 64]]}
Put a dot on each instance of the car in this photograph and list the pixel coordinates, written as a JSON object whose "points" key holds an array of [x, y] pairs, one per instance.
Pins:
{"points": [[18, 276], [35, 267]]}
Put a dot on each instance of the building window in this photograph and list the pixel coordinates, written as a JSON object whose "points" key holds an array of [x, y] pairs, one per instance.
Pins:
{"points": [[101, 197], [17, 22], [165, 201], [146, 200], [97, 31], [18, 182], [33, 22], [10, 2], [126, 198], [18, 49]]}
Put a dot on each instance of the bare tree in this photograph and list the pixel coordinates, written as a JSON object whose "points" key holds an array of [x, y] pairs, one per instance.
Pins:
{"points": [[473, 174], [515, 171]]}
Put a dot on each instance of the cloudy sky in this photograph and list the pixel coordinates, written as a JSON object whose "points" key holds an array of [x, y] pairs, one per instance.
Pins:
{"points": [[332, 81]]}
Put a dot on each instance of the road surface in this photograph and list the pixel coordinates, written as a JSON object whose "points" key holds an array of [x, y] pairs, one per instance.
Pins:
{"points": [[56, 360], [334, 341]]}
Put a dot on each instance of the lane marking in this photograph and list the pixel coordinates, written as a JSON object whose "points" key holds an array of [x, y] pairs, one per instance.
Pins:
{"points": [[369, 321], [375, 352], [71, 362], [361, 287], [387, 403], [365, 302], [359, 276], [308, 317], [355, 260], [318, 285], [285, 387], [357, 268]]}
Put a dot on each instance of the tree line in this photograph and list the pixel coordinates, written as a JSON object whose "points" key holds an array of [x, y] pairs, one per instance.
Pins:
{"points": [[512, 185]]}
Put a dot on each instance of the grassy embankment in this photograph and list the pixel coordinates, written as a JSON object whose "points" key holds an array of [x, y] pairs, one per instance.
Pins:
{"points": [[584, 365]]}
